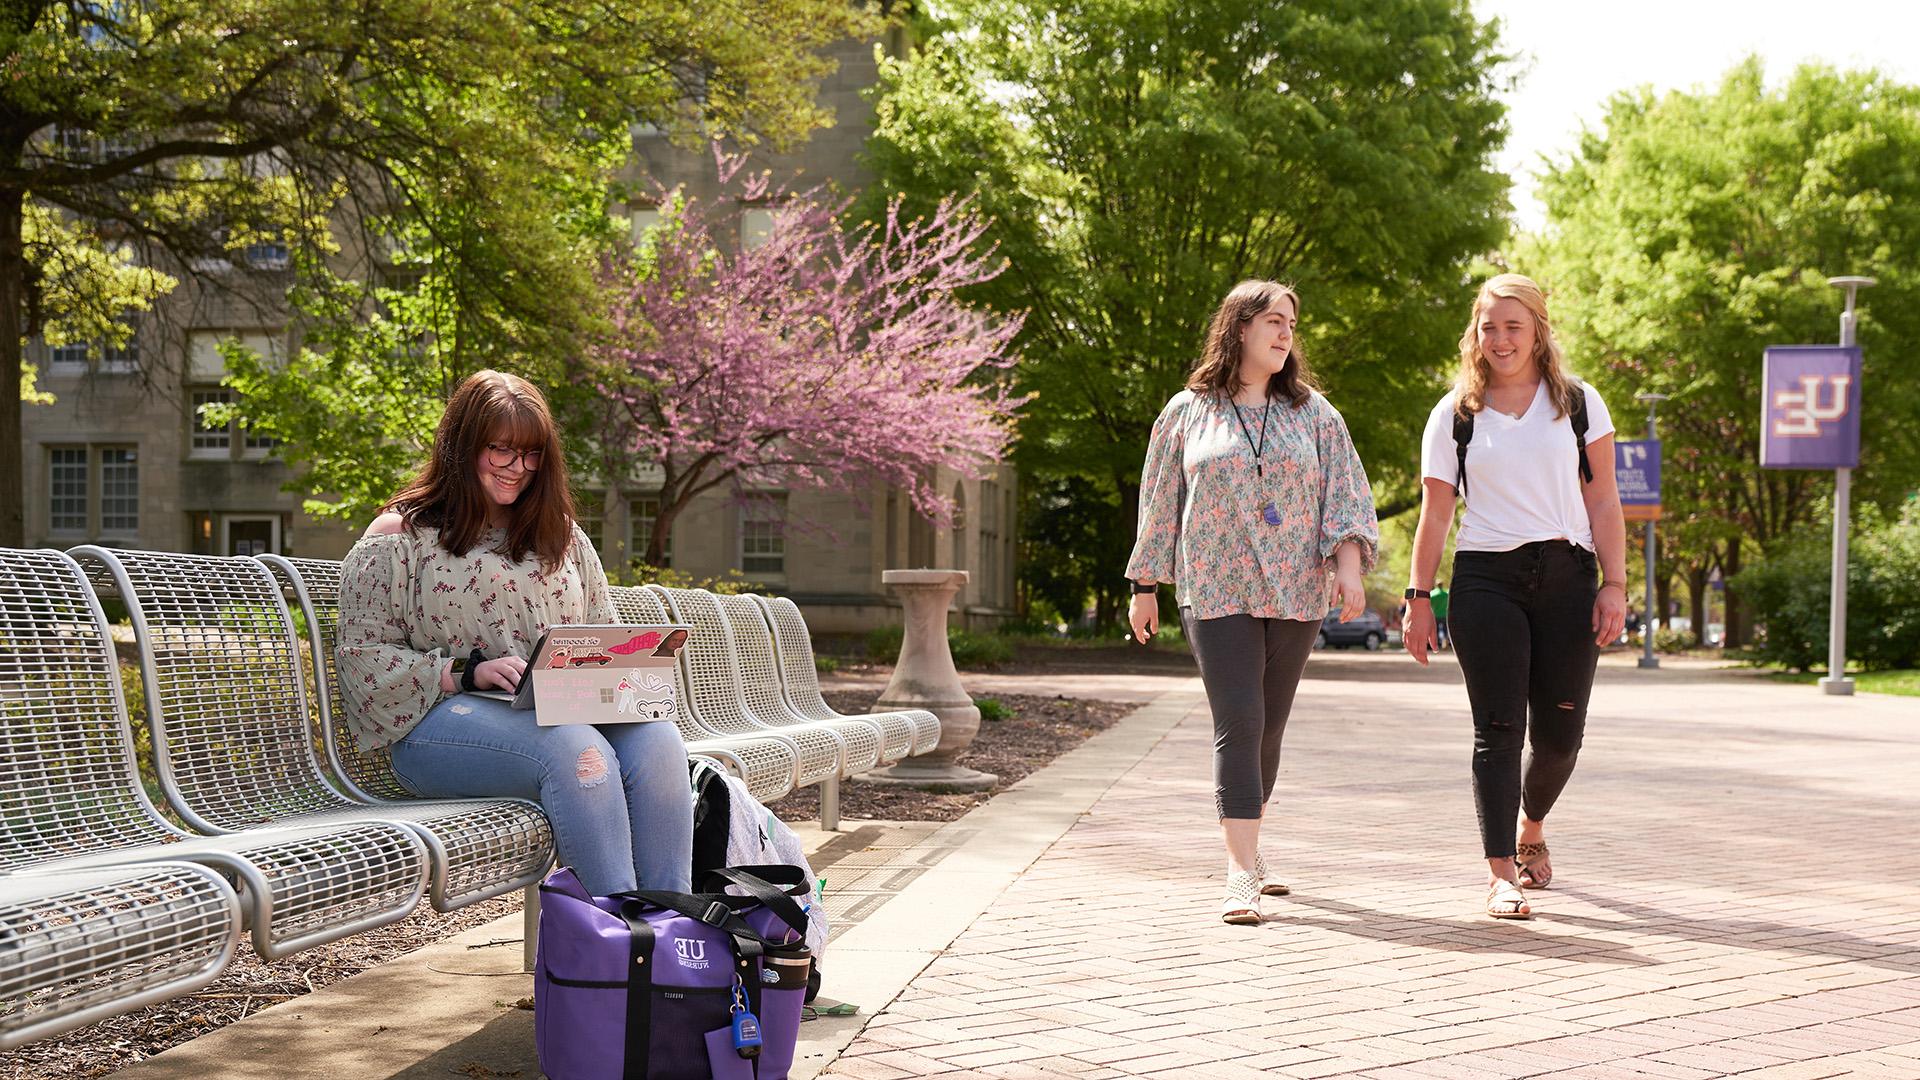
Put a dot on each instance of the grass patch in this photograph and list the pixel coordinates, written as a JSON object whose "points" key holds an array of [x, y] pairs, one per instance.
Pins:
{"points": [[1905, 682], [992, 709]]}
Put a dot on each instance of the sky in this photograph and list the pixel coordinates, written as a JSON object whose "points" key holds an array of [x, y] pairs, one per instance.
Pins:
{"points": [[1576, 55]]}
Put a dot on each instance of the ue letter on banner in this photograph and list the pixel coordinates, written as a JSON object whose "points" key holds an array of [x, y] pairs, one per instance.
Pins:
{"points": [[1810, 407]]}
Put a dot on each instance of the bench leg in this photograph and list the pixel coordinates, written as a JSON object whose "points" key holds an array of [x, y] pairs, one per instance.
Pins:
{"points": [[830, 804], [529, 927]]}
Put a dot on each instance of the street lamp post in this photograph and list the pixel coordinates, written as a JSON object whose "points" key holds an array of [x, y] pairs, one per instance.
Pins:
{"points": [[1647, 659], [1836, 681]]}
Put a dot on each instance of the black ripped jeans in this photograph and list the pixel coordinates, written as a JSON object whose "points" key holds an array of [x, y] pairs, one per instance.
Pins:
{"points": [[1522, 623]]}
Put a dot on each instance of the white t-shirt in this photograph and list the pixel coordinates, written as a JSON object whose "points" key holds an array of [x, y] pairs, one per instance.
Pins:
{"points": [[1523, 476]]}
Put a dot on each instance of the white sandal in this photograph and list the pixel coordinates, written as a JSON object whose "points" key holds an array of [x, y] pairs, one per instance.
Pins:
{"points": [[1267, 888], [1506, 901], [1242, 905]]}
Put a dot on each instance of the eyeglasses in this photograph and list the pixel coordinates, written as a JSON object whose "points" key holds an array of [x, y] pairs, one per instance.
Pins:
{"points": [[501, 457]]}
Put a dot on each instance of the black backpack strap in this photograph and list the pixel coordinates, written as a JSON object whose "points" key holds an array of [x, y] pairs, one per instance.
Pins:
{"points": [[714, 909], [1462, 435], [1579, 418]]}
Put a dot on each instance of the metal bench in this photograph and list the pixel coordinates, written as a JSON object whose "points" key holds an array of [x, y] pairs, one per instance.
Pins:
{"points": [[233, 734], [714, 698], [760, 683], [768, 763], [800, 678], [81, 946], [71, 796]]}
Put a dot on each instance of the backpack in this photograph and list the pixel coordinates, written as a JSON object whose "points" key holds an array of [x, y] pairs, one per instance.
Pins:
{"points": [[732, 828], [1463, 434]]}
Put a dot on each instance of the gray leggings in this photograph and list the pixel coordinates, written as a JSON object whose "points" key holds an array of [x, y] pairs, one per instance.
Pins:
{"points": [[1250, 668]]}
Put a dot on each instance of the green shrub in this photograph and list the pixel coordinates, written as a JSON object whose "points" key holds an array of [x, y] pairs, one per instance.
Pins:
{"points": [[730, 583], [992, 710], [1669, 640], [970, 650], [883, 643], [1789, 594], [825, 665]]}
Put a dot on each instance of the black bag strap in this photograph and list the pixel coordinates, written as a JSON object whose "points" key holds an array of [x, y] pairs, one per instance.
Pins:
{"points": [[757, 880], [714, 909], [633, 1064], [1462, 435], [1579, 417]]}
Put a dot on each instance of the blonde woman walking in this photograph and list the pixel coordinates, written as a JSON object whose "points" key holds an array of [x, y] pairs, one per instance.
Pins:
{"points": [[1531, 450]]}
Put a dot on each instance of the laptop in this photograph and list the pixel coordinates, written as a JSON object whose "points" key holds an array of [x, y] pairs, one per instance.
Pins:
{"points": [[601, 675]]}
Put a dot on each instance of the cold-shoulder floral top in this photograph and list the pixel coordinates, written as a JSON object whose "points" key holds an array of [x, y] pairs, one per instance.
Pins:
{"points": [[407, 605], [1237, 542]]}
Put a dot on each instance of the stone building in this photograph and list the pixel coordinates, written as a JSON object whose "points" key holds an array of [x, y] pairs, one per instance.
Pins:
{"points": [[121, 458]]}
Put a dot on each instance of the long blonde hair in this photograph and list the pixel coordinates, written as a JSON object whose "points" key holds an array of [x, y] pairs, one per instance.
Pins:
{"points": [[1474, 370], [1218, 369]]}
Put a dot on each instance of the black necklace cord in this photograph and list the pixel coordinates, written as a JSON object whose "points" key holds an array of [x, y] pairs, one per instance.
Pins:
{"points": [[1265, 411]]}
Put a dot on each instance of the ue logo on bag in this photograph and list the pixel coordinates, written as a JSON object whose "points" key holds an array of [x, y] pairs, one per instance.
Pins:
{"points": [[1799, 414], [691, 952]]}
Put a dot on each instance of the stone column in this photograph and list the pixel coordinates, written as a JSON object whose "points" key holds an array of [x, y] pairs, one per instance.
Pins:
{"points": [[925, 679]]}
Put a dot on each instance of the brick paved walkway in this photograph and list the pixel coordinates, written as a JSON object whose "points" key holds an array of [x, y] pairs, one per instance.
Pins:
{"points": [[1737, 864]]}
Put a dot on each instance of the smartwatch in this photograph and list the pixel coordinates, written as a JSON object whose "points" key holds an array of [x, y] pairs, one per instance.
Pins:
{"points": [[1417, 594], [1143, 590]]}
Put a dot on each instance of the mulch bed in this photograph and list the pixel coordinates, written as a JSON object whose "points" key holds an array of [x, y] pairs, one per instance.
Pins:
{"points": [[1040, 729], [249, 985]]}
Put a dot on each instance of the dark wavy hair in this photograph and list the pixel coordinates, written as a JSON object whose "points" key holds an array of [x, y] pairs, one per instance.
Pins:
{"points": [[492, 406], [1218, 369]]}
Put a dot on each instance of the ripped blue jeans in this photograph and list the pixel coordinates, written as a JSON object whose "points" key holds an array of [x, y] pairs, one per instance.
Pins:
{"points": [[617, 794]]}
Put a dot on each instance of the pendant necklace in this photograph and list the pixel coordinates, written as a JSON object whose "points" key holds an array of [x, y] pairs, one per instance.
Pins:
{"points": [[1268, 513]]}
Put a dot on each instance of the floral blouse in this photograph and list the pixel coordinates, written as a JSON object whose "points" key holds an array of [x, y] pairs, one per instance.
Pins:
{"points": [[407, 605], [1241, 543]]}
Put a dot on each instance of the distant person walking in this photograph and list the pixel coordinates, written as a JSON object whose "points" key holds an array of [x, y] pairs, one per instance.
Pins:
{"points": [[1440, 600], [1250, 494], [1542, 520]]}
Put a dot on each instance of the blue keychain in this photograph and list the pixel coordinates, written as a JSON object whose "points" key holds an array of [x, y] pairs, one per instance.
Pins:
{"points": [[746, 1026]]}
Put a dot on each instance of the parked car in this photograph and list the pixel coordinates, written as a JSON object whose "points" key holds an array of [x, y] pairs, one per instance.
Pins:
{"points": [[1366, 629]]}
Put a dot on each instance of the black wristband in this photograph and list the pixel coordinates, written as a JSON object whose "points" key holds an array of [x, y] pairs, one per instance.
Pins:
{"points": [[474, 660], [1143, 590]]}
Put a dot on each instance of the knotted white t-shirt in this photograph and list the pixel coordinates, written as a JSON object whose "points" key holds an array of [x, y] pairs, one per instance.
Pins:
{"points": [[1523, 476]]}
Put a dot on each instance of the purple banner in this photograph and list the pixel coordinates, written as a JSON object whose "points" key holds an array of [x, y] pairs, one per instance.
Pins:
{"points": [[1810, 407], [1636, 466]]}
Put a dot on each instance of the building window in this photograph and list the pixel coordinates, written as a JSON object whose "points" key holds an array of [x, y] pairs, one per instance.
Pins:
{"points": [[70, 357], [210, 439], [120, 359], [763, 535], [256, 445], [119, 490], [756, 227], [642, 512], [67, 489], [989, 543], [75, 356], [268, 255]]}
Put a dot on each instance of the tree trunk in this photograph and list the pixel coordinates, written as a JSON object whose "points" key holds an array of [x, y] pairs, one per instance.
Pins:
{"points": [[1736, 618], [1663, 597], [13, 286], [1697, 603]]}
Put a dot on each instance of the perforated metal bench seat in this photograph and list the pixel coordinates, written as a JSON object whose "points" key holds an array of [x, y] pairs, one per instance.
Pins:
{"points": [[80, 946], [800, 679], [71, 795], [233, 727], [768, 763], [720, 696]]}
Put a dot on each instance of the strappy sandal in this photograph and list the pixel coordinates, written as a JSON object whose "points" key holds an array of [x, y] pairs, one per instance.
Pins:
{"points": [[1267, 888], [1505, 901], [1242, 905], [1529, 856]]}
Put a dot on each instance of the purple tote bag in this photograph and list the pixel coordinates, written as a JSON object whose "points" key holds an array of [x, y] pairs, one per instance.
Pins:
{"points": [[645, 985]]}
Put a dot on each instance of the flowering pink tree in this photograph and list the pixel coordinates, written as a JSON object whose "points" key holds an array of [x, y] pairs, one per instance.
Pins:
{"points": [[827, 356]]}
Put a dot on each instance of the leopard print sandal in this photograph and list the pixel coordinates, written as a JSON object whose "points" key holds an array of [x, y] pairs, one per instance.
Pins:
{"points": [[1535, 871]]}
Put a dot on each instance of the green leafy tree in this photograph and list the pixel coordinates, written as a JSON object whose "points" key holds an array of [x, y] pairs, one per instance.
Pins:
{"points": [[1140, 156], [1694, 229], [437, 171]]}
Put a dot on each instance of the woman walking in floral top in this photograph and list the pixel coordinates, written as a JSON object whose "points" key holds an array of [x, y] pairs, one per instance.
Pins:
{"points": [[448, 593], [1250, 493]]}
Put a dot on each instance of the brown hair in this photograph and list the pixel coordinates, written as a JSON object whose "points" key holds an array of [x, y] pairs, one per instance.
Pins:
{"points": [[1218, 369], [489, 406], [1474, 372]]}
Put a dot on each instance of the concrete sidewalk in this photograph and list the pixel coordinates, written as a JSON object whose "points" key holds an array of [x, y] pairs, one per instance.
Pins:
{"points": [[1736, 895]]}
